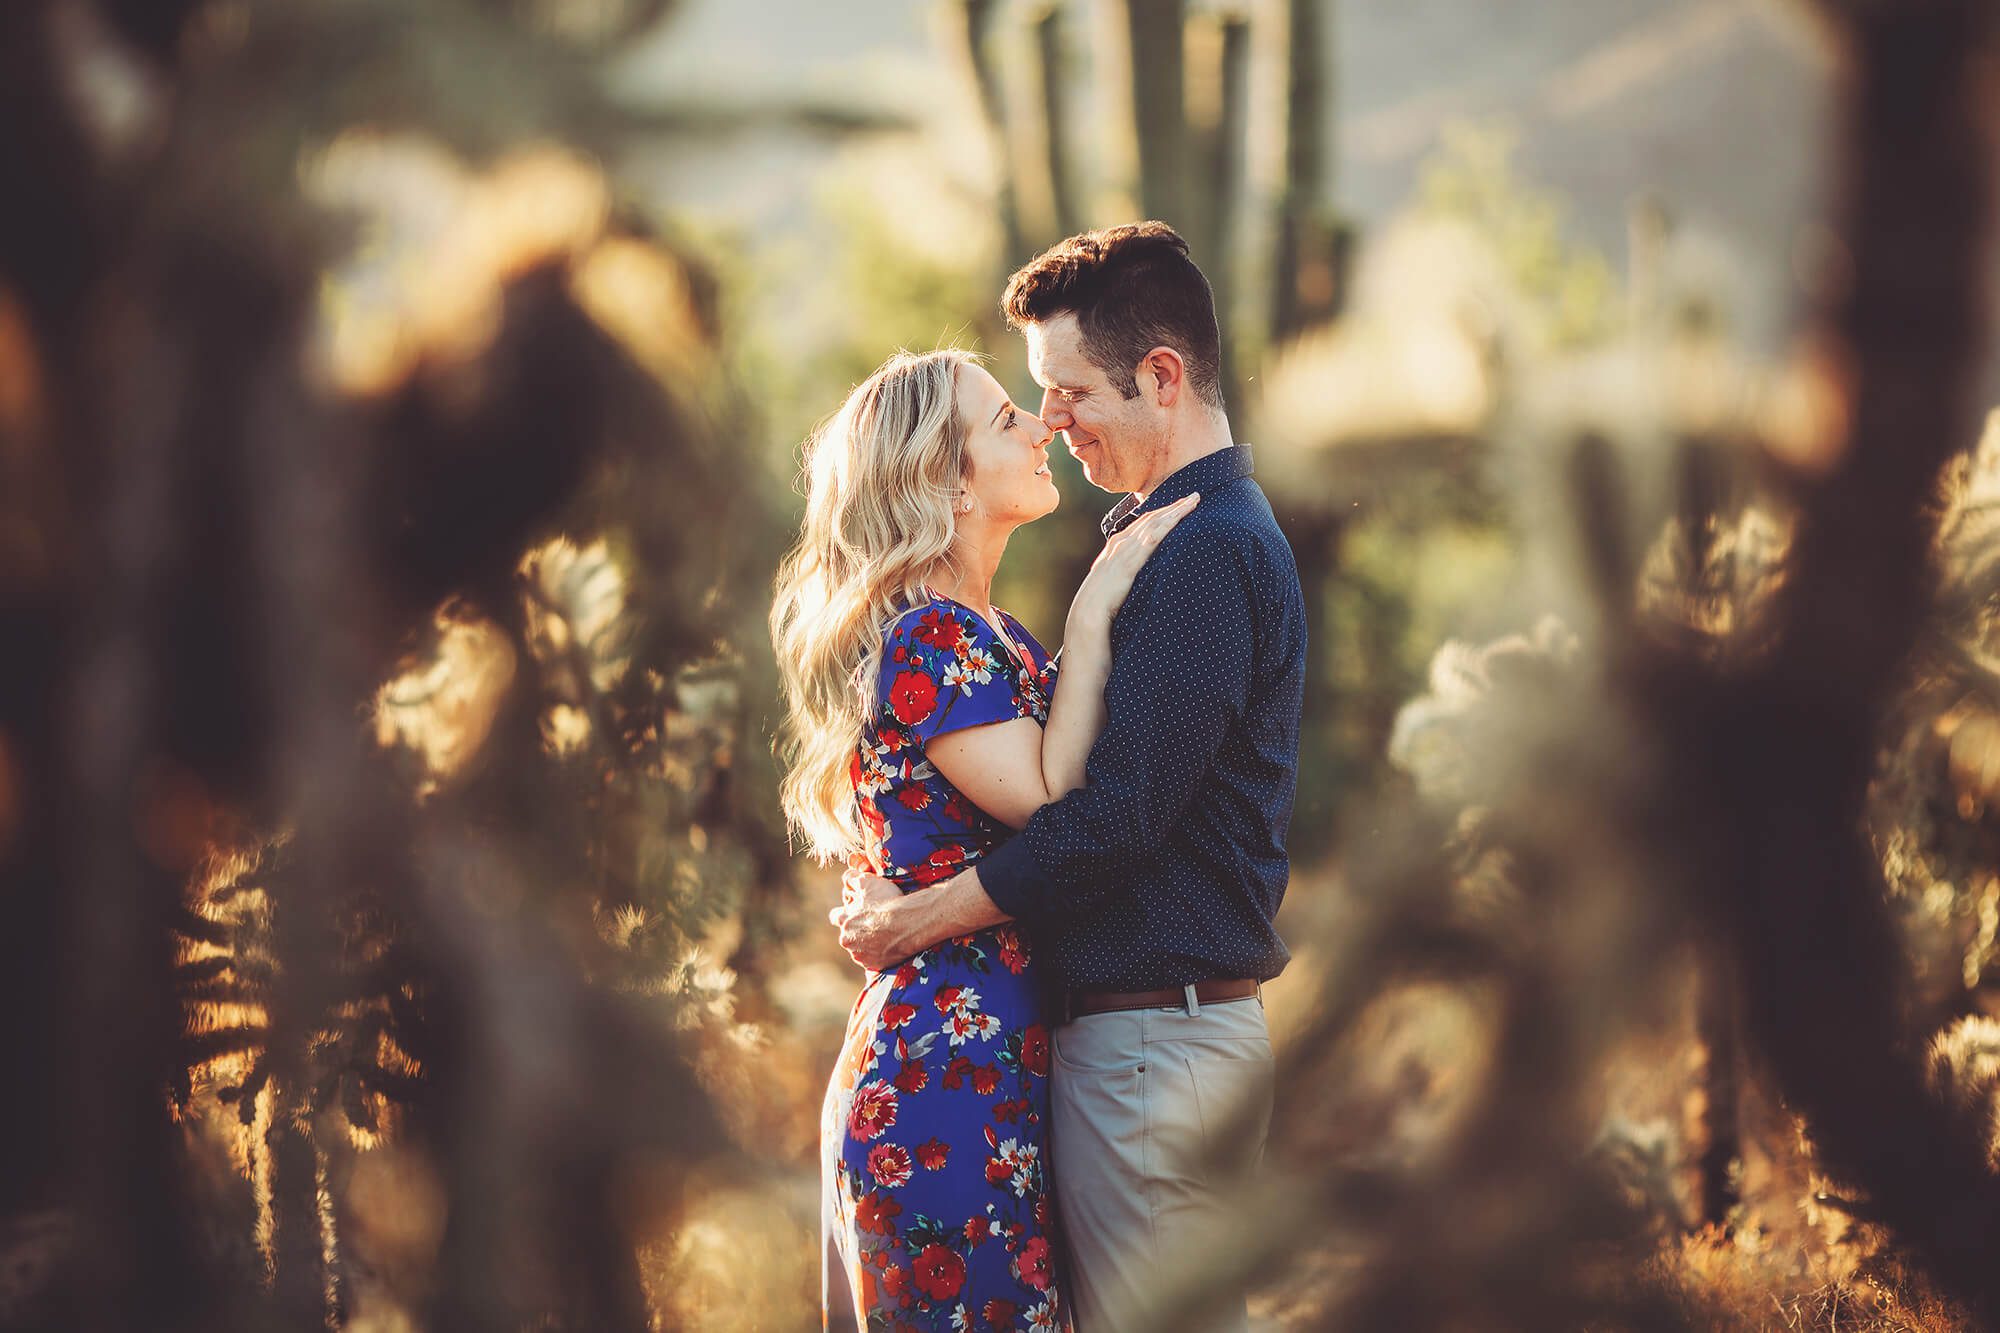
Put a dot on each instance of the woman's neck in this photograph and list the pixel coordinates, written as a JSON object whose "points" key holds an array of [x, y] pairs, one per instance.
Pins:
{"points": [[967, 578]]}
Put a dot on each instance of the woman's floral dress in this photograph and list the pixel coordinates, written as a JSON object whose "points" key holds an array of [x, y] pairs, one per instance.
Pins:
{"points": [[934, 1136]]}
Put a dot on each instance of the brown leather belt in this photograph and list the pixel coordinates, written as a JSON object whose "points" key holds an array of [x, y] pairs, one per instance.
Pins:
{"points": [[1205, 992]]}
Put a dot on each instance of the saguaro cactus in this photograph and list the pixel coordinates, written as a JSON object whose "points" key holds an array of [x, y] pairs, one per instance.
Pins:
{"points": [[1050, 54], [975, 33], [1156, 35], [1179, 84], [1310, 241]]}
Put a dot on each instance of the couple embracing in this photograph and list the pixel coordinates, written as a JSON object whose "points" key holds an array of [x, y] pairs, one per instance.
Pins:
{"points": [[1062, 882]]}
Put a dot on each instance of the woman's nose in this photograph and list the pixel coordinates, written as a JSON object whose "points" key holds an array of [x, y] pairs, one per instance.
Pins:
{"points": [[1044, 432]]}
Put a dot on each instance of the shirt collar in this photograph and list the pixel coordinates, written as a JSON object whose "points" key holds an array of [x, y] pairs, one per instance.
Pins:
{"points": [[1206, 473]]}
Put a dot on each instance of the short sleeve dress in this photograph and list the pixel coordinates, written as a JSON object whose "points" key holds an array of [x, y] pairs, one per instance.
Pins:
{"points": [[934, 1133]]}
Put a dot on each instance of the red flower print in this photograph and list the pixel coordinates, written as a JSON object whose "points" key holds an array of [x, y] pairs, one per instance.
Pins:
{"points": [[946, 997], [1035, 1050], [890, 739], [1009, 1112], [912, 1077], [901, 654], [960, 811], [896, 1283], [975, 1231], [999, 1315], [940, 1273], [874, 1110], [914, 798], [1032, 1263], [895, 1015], [955, 1072], [985, 1079], [871, 815], [906, 975], [999, 1171], [932, 1154], [912, 696], [889, 1163], [1013, 954], [941, 864], [940, 630], [876, 1213]]}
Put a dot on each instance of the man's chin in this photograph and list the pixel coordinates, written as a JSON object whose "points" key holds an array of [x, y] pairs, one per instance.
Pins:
{"points": [[1099, 480]]}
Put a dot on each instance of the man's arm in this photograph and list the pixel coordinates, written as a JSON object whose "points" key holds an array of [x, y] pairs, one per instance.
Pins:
{"points": [[880, 925], [1180, 672], [1182, 653]]}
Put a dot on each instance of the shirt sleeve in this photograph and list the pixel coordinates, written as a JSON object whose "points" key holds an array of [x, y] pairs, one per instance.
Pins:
{"points": [[944, 669], [1181, 655]]}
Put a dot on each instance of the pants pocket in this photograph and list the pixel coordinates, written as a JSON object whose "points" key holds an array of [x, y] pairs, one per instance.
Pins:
{"points": [[1233, 1101]]}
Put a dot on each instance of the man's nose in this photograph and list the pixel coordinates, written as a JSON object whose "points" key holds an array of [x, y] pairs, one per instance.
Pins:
{"points": [[1054, 415]]}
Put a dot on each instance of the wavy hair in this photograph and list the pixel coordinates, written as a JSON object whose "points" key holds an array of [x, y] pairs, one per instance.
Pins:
{"points": [[883, 476]]}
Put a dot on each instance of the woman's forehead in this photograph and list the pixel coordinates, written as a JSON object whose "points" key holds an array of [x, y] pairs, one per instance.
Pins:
{"points": [[977, 388]]}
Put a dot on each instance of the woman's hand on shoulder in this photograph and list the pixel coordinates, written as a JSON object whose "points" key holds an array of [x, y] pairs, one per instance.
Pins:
{"points": [[1110, 579]]}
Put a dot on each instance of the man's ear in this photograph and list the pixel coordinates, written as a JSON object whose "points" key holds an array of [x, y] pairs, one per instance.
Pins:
{"points": [[1169, 374]]}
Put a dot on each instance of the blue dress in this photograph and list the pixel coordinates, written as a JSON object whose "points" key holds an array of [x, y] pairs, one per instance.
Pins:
{"points": [[934, 1135]]}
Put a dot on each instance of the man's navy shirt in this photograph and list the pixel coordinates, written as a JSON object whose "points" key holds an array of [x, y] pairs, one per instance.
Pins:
{"points": [[1169, 865]]}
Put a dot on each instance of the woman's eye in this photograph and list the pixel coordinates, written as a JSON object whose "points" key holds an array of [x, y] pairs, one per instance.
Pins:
{"points": [[1012, 416]]}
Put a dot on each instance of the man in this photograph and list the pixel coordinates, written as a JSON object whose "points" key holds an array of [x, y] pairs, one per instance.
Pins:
{"points": [[1152, 888]]}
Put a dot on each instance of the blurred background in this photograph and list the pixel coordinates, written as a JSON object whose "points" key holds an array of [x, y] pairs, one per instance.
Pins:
{"points": [[400, 414]]}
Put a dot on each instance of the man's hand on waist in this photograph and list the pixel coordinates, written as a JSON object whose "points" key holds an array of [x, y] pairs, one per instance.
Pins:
{"points": [[880, 926]]}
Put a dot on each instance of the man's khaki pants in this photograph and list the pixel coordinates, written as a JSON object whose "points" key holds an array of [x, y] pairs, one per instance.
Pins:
{"points": [[1158, 1116]]}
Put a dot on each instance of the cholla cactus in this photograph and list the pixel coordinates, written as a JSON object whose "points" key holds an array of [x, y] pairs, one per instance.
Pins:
{"points": [[1964, 1068], [1448, 739]]}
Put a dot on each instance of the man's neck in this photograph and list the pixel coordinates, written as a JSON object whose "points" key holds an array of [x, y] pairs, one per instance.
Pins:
{"points": [[1212, 437]]}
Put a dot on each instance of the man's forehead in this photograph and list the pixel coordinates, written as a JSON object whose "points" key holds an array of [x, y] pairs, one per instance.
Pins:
{"points": [[1054, 350]]}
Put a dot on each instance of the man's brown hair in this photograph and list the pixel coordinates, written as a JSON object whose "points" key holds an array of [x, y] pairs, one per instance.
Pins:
{"points": [[1131, 288]]}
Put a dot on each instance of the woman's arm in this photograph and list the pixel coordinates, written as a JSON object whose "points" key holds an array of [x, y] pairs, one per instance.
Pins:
{"points": [[1012, 769]]}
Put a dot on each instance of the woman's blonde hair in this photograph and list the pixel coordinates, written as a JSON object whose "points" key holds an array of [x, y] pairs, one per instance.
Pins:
{"points": [[883, 477]]}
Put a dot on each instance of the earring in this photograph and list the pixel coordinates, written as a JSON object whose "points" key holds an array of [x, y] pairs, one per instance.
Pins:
{"points": [[966, 507]]}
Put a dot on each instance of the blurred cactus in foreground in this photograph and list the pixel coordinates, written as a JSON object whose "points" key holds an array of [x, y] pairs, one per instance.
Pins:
{"points": [[371, 550], [1675, 845]]}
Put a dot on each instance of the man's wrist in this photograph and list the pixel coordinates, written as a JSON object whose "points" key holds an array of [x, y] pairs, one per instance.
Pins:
{"points": [[913, 921]]}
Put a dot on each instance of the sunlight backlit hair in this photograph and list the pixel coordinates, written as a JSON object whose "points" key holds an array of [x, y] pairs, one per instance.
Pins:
{"points": [[1132, 288], [883, 477]]}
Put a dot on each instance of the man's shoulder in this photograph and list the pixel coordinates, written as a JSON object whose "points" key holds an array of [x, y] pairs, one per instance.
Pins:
{"points": [[1236, 519]]}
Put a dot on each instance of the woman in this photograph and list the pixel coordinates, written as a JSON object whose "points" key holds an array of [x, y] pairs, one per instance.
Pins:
{"points": [[924, 724]]}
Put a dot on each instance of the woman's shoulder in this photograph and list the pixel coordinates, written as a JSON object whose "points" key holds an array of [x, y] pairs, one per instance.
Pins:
{"points": [[1022, 635], [931, 619], [932, 635]]}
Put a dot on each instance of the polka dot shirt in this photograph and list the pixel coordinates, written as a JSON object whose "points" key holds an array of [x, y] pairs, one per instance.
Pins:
{"points": [[1169, 865]]}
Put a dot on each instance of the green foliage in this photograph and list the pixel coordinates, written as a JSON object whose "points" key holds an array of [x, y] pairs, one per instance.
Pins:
{"points": [[1472, 179]]}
